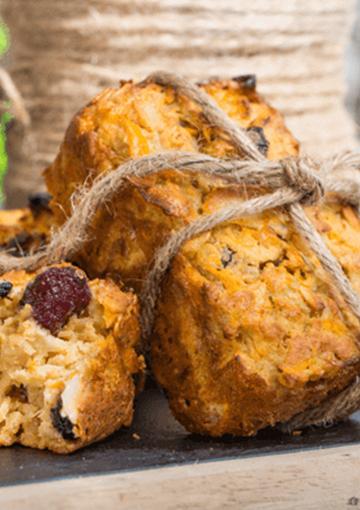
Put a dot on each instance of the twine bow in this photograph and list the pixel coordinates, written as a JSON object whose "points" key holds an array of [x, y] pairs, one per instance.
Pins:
{"points": [[291, 182]]}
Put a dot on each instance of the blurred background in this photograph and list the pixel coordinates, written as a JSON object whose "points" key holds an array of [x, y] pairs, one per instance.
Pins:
{"points": [[56, 55]]}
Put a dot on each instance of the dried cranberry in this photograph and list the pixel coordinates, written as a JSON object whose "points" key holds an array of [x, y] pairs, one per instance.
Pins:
{"points": [[55, 295]]}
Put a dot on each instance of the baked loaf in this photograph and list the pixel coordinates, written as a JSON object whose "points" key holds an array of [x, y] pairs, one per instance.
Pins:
{"points": [[135, 120], [248, 332], [67, 358]]}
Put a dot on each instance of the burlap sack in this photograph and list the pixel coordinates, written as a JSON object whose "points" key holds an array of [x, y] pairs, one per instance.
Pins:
{"points": [[64, 51]]}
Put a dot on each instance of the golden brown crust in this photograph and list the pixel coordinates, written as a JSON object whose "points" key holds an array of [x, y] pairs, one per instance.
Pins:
{"points": [[108, 396]]}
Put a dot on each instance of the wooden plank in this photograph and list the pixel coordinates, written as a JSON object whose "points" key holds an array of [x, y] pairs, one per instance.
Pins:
{"points": [[163, 441], [317, 479]]}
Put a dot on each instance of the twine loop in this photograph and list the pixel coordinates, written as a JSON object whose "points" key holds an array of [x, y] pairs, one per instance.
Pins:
{"points": [[302, 179]]}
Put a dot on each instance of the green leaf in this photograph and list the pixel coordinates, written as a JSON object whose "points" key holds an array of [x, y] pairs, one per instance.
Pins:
{"points": [[4, 38]]}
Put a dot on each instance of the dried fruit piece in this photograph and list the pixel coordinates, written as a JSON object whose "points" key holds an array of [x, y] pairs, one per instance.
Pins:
{"points": [[39, 202], [5, 288], [227, 256], [62, 423], [258, 136], [18, 393], [55, 295], [247, 80]]}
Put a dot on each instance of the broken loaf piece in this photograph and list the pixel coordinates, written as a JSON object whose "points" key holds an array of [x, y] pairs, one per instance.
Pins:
{"points": [[67, 358]]}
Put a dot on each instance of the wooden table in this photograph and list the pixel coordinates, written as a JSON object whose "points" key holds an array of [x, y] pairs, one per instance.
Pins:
{"points": [[168, 469]]}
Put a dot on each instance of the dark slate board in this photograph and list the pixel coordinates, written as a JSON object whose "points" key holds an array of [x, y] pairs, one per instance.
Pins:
{"points": [[162, 442]]}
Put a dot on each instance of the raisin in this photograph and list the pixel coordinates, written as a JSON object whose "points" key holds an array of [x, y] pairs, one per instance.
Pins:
{"points": [[257, 135], [275, 262], [227, 256], [20, 431], [55, 295], [18, 393], [62, 423], [39, 202], [5, 288], [247, 80]]}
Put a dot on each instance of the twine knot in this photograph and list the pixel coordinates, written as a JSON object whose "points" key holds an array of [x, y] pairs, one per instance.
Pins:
{"points": [[301, 177]]}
